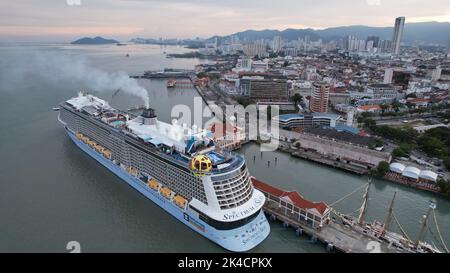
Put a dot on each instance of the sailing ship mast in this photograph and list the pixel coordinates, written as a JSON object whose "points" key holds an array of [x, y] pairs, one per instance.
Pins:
{"points": [[363, 209], [389, 216], [424, 223]]}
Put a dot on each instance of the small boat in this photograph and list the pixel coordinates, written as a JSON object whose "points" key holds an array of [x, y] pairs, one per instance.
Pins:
{"points": [[128, 55], [55, 108], [171, 83]]}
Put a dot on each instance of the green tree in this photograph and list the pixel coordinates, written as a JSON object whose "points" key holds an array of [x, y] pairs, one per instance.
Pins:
{"points": [[370, 124], [201, 75], [431, 145], [297, 98], [244, 101], [444, 186], [384, 107], [446, 161], [379, 142], [382, 169], [398, 152]]}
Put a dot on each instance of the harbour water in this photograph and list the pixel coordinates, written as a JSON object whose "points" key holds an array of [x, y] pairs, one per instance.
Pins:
{"points": [[52, 193]]}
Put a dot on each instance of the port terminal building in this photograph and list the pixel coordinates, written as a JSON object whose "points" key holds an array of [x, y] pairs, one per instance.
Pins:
{"points": [[292, 204]]}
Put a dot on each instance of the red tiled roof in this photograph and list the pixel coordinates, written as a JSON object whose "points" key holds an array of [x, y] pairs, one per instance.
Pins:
{"points": [[418, 100], [293, 196], [266, 187], [369, 107]]}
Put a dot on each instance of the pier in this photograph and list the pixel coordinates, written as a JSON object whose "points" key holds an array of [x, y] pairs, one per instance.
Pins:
{"points": [[333, 235], [341, 232], [169, 73], [180, 83]]}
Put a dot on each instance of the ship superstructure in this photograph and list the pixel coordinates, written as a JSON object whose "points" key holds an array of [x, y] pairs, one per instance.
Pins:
{"points": [[177, 167]]}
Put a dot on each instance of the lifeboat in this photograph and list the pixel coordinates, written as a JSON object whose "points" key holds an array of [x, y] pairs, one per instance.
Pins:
{"points": [[180, 201], [99, 148], [79, 135], [106, 153], [91, 143], [166, 192], [153, 184], [84, 139], [132, 171]]}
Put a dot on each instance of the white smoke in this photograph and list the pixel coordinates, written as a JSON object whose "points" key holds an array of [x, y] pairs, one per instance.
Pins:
{"points": [[68, 68]]}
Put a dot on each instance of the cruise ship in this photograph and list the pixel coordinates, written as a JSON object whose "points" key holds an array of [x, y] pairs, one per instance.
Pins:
{"points": [[177, 167]]}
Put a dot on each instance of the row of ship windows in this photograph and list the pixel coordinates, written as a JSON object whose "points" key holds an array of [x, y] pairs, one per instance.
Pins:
{"points": [[236, 186], [237, 196], [240, 173], [234, 190], [233, 182], [234, 205]]}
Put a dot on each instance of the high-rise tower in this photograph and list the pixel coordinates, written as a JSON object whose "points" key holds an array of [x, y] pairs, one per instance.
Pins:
{"points": [[320, 97], [397, 35]]}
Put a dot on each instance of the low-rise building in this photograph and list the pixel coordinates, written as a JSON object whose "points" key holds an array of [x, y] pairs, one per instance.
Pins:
{"points": [[307, 120], [227, 135], [369, 109]]}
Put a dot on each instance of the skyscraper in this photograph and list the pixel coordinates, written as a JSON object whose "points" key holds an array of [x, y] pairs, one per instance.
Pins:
{"points": [[388, 73], [320, 97], [397, 35], [436, 74], [276, 44], [375, 39], [448, 49]]}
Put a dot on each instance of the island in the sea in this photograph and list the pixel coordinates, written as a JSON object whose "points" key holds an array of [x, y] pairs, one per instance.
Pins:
{"points": [[94, 41]]}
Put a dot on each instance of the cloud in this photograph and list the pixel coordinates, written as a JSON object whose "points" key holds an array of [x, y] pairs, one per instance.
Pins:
{"points": [[58, 30], [204, 18], [373, 2]]}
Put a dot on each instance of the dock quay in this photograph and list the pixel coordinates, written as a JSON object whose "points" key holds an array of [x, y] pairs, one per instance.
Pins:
{"points": [[318, 158], [210, 97], [322, 159], [343, 233], [169, 73], [334, 236]]}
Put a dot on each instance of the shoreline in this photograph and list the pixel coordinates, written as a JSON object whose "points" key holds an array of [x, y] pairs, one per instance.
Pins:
{"points": [[345, 168]]}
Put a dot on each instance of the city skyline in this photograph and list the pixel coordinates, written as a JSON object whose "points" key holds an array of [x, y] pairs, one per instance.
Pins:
{"points": [[62, 20]]}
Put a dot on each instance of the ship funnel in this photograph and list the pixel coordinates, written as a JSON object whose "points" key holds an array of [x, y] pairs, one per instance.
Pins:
{"points": [[149, 117]]}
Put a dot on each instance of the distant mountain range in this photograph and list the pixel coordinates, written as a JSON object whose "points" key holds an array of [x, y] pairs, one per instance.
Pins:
{"points": [[94, 41], [428, 32]]}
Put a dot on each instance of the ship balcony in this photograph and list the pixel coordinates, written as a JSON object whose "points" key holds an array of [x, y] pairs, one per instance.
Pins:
{"points": [[234, 161]]}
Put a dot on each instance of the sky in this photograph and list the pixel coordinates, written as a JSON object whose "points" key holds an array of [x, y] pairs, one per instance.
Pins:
{"points": [[65, 20]]}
